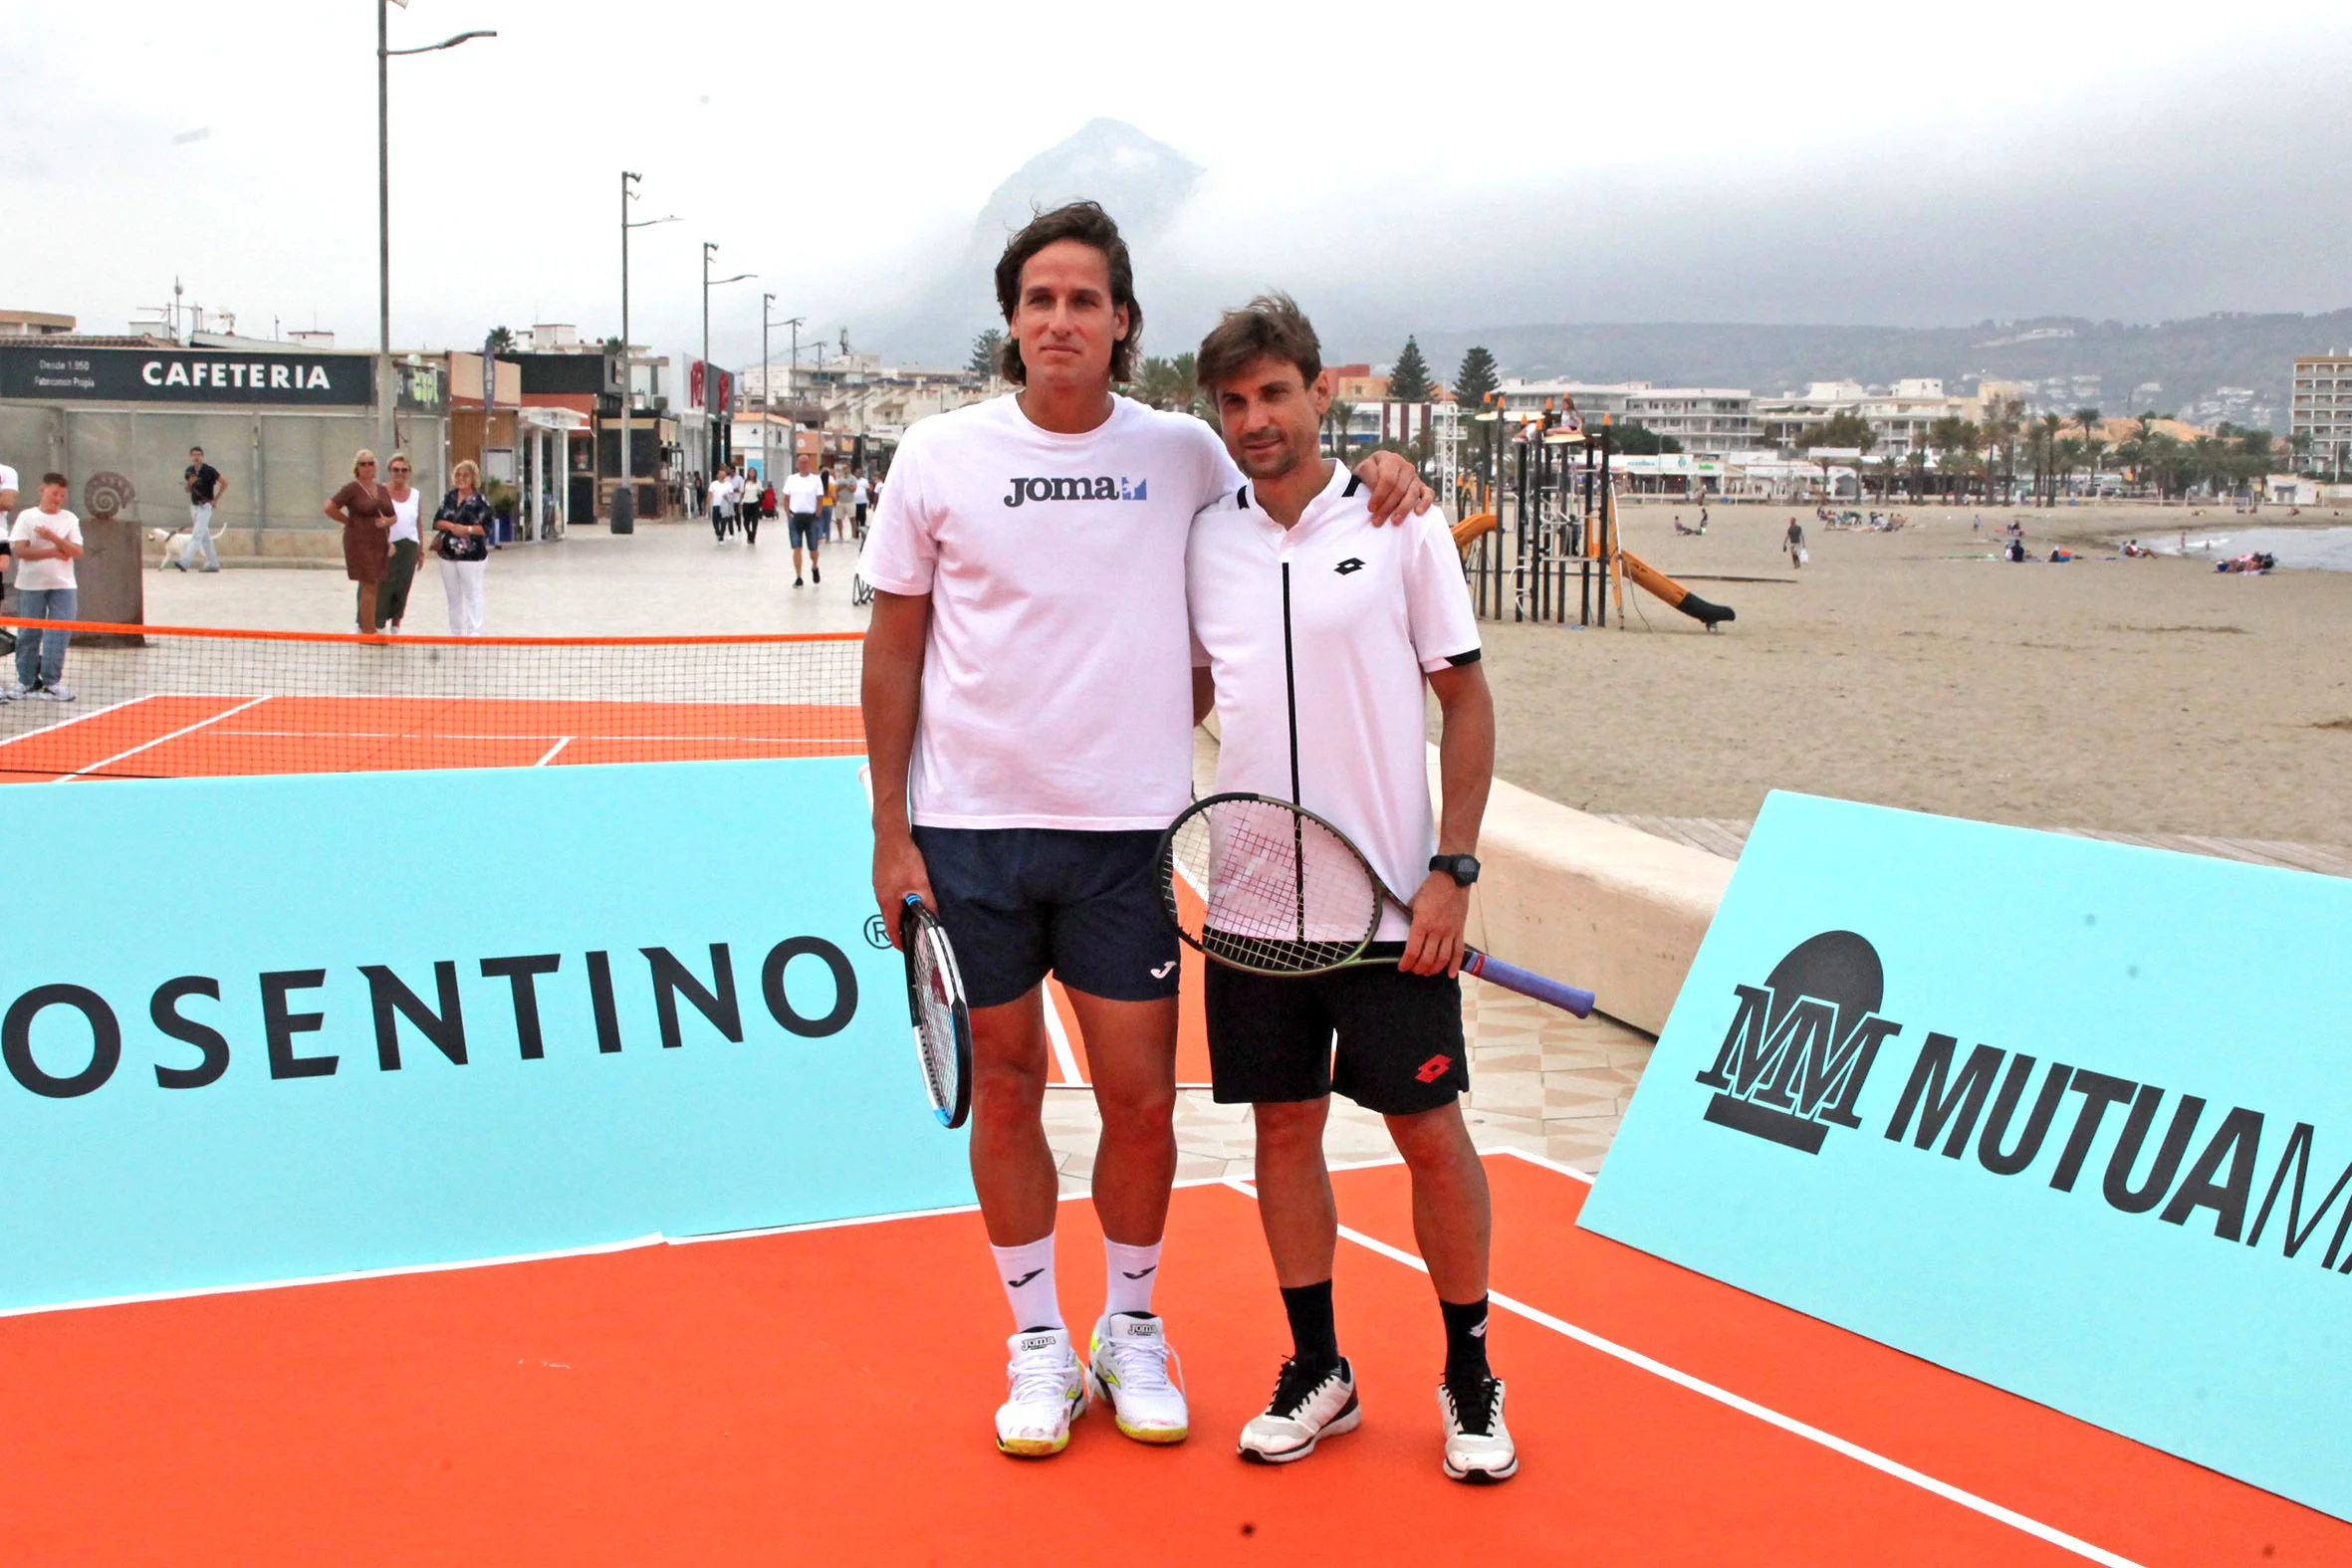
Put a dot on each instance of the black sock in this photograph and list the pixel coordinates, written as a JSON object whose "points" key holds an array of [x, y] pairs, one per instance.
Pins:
{"points": [[1314, 1342], [1466, 1340]]}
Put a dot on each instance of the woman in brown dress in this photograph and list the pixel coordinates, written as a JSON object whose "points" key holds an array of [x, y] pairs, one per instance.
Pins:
{"points": [[364, 508]]}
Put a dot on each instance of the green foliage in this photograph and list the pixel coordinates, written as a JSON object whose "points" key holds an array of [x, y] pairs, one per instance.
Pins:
{"points": [[500, 340], [985, 350], [1169, 383], [1477, 377], [1843, 428], [1636, 439], [1410, 381]]}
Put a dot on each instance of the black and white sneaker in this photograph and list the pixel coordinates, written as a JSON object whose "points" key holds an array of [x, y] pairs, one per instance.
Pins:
{"points": [[1479, 1449], [1309, 1406]]}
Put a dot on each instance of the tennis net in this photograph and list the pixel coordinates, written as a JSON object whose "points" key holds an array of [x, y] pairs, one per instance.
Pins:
{"points": [[160, 702]]}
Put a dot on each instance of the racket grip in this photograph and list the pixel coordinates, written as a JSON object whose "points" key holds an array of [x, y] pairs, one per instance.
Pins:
{"points": [[1527, 983]]}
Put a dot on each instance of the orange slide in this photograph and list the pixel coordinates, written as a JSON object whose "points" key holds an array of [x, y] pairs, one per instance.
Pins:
{"points": [[1677, 596]]}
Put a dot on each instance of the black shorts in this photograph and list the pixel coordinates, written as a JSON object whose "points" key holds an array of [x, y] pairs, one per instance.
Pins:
{"points": [[1020, 902], [1400, 1049]]}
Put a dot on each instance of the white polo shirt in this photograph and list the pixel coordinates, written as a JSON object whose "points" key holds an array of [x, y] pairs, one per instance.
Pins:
{"points": [[1057, 692], [1318, 636]]}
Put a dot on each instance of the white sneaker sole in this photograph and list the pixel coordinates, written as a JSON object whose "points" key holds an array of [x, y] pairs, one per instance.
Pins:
{"points": [[1338, 1427], [1483, 1477], [1103, 1392], [1045, 1447]]}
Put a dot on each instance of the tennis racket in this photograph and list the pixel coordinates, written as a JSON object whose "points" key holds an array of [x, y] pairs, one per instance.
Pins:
{"points": [[1284, 892], [935, 1002]]}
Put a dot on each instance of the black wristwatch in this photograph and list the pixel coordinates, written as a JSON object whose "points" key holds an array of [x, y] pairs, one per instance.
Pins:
{"points": [[1461, 868]]}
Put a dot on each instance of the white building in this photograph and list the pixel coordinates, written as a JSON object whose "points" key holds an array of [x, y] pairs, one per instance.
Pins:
{"points": [[2321, 412], [1900, 416], [1715, 419]]}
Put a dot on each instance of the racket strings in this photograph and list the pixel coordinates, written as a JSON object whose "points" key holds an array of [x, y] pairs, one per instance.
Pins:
{"points": [[935, 1017], [1278, 892]]}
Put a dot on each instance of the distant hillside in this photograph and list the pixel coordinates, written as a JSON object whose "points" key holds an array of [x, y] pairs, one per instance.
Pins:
{"points": [[2192, 361]]}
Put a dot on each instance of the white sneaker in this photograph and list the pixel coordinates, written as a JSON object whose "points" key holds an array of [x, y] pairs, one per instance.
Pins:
{"points": [[1128, 1369], [1306, 1409], [1479, 1449], [1048, 1392], [14, 692], [54, 694]]}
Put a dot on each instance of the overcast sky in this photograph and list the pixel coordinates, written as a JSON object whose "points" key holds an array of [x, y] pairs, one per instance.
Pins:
{"points": [[1834, 162]]}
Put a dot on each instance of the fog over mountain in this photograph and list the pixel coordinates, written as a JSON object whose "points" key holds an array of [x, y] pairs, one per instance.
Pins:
{"points": [[1597, 259]]}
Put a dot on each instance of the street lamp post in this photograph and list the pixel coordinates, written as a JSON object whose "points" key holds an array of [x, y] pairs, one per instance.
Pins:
{"points": [[387, 399], [710, 379], [768, 392], [624, 499]]}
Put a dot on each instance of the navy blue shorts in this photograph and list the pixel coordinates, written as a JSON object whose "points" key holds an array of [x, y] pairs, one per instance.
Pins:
{"points": [[1020, 902]]}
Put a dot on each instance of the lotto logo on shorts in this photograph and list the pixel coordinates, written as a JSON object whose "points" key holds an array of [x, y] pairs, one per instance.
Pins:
{"points": [[1434, 1068]]}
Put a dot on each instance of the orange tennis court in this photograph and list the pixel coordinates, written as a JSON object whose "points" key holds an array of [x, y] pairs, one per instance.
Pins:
{"points": [[825, 1395]]}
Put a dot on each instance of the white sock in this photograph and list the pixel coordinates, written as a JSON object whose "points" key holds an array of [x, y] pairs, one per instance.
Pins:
{"points": [[1132, 1272], [1028, 1273]]}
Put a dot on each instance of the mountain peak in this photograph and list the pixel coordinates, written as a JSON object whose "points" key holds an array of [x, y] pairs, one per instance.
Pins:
{"points": [[1140, 182]]}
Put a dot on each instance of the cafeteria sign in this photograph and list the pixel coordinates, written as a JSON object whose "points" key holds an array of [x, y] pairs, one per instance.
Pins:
{"points": [[186, 376]]}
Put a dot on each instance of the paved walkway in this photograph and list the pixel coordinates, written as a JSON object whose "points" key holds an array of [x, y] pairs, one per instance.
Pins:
{"points": [[666, 577]]}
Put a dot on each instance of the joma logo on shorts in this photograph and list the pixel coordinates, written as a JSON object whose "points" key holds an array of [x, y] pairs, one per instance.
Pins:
{"points": [[1103, 488]]}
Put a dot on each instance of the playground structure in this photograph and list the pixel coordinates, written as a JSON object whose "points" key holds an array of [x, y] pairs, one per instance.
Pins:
{"points": [[1561, 524]]}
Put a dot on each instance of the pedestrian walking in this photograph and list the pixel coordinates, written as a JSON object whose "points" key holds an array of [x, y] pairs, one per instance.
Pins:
{"points": [[45, 542], [205, 487], [718, 504], [7, 509], [804, 494], [825, 508], [762, 513], [364, 508], [859, 495], [461, 531], [1793, 542], [391, 604]]}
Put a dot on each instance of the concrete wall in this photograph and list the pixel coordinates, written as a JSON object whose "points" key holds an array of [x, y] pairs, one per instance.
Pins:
{"points": [[1611, 908], [281, 465]]}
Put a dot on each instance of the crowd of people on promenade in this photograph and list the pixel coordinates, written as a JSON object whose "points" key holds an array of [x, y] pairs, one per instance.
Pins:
{"points": [[819, 506]]}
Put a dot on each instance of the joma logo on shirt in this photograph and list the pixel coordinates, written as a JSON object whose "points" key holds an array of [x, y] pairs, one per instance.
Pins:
{"points": [[1101, 489]]}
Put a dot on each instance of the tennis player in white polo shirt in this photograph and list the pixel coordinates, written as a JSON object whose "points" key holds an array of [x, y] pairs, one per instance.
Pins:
{"points": [[1028, 724], [1314, 633]]}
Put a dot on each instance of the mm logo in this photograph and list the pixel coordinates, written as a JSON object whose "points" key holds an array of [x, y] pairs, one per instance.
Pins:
{"points": [[1793, 1061], [1076, 488]]}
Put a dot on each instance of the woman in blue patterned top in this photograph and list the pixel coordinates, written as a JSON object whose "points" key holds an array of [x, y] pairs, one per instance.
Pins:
{"points": [[461, 537]]}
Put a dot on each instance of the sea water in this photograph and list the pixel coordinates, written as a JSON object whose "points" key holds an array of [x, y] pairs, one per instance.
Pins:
{"points": [[2326, 549]]}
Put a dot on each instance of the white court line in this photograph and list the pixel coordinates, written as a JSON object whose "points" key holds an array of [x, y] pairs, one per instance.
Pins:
{"points": [[80, 718], [1763, 1413], [594, 1250], [160, 739], [1549, 1165], [1058, 1037], [551, 751]]}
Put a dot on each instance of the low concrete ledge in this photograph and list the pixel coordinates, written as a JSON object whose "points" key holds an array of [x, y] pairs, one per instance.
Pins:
{"points": [[1596, 904]]}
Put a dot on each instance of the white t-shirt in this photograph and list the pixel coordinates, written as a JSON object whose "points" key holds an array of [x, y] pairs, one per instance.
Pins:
{"points": [[7, 477], [404, 517], [858, 494], [1056, 688], [58, 526], [718, 494], [1348, 617], [802, 493]]}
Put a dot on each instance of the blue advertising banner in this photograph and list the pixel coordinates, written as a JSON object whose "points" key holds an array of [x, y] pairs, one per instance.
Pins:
{"points": [[276, 1027], [2068, 1117]]}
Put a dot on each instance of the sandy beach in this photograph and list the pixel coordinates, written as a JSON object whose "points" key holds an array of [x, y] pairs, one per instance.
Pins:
{"points": [[2139, 695]]}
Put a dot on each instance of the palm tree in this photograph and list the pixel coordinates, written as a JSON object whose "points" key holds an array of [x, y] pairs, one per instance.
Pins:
{"points": [[2046, 431], [2092, 444], [2000, 432]]}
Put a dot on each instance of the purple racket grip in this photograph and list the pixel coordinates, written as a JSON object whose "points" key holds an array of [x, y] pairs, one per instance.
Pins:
{"points": [[1527, 984]]}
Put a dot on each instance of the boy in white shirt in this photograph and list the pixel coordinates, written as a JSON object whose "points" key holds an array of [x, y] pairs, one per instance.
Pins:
{"points": [[46, 542]]}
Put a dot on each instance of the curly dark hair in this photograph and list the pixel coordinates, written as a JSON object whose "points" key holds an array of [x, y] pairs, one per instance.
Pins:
{"points": [[1086, 223]]}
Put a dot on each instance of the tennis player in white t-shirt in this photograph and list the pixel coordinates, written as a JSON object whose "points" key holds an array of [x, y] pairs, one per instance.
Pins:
{"points": [[1029, 719], [1315, 633]]}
